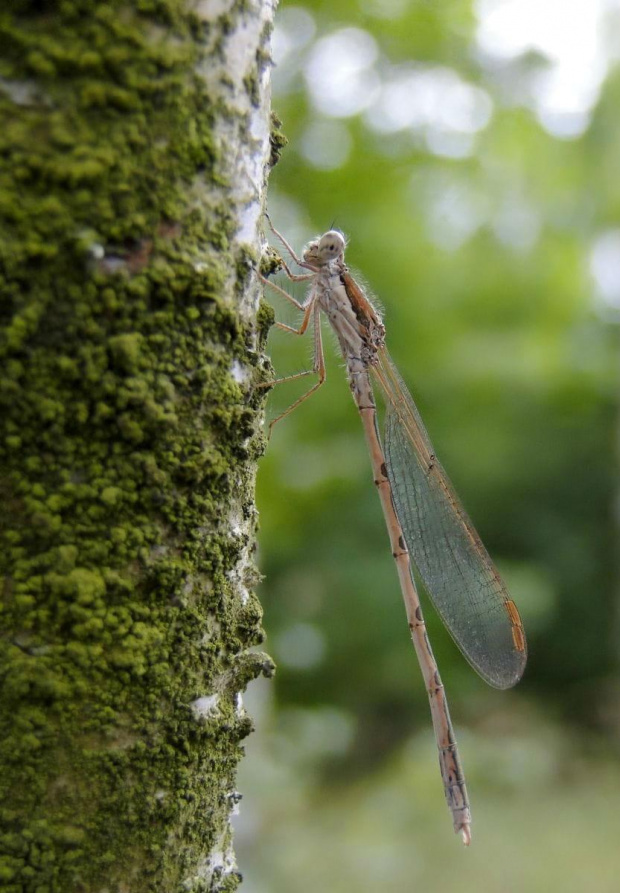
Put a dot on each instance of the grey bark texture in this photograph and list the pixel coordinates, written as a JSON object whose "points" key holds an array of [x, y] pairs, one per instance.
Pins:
{"points": [[134, 145]]}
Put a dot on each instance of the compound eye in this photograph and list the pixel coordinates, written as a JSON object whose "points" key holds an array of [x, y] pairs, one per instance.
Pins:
{"points": [[331, 245]]}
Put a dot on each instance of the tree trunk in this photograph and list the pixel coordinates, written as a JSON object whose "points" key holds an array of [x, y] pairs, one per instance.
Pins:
{"points": [[133, 147]]}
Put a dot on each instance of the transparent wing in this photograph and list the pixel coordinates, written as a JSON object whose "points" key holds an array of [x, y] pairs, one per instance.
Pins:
{"points": [[457, 571]]}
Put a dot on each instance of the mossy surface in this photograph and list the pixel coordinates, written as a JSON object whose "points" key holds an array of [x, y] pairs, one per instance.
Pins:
{"points": [[125, 445]]}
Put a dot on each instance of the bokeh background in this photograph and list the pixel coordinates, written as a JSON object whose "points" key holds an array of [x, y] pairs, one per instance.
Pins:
{"points": [[471, 152]]}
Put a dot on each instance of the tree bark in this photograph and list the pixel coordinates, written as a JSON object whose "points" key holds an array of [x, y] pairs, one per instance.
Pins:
{"points": [[133, 150]]}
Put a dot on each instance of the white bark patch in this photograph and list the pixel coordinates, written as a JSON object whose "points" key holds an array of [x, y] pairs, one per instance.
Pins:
{"points": [[206, 707], [217, 867], [236, 73], [21, 92], [241, 526], [230, 70], [212, 9], [239, 372]]}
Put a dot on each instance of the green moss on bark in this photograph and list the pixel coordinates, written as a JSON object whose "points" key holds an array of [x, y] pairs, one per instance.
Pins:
{"points": [[277, 139], [125, 440]]}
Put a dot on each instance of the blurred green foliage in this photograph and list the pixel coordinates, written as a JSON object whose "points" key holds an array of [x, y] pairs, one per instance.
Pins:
{"points": [[480, 244]]}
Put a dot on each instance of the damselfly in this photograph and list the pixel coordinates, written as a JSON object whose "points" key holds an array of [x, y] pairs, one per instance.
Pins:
{"points": [[425, 519]]}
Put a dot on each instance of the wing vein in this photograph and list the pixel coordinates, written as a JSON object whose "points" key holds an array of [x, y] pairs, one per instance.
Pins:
{"points": [[456, 569]]}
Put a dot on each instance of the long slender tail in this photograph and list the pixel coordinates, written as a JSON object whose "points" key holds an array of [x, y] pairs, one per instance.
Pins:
{"points": [[449, 761]]}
